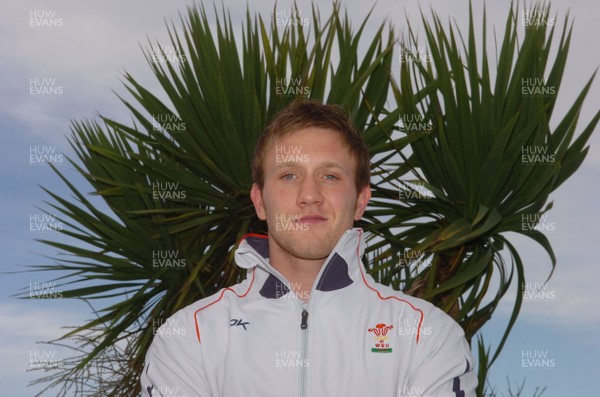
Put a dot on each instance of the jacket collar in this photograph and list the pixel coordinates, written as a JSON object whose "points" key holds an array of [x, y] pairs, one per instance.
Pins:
{"points": [[341, 268]]}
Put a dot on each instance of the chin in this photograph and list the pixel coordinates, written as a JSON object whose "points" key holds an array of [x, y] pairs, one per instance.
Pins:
{"points": [[318, 248], [306, 247]]}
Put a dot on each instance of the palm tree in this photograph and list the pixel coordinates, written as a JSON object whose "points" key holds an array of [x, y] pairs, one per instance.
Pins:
{"points": [[177, 178], [485, 165]]}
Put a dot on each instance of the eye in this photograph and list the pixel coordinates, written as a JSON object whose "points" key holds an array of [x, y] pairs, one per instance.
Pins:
{"points": [[288, 176], [331, 177]]}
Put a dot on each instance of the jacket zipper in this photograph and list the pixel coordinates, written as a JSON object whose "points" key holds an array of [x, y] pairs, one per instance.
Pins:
{"points": [[304, 328]]}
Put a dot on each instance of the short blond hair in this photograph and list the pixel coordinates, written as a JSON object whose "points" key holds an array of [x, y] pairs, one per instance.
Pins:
{"points": [[305, 114]]}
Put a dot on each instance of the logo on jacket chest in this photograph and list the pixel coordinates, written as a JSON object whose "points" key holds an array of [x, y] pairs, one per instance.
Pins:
{"points": [[381, 338], [234, 322]]}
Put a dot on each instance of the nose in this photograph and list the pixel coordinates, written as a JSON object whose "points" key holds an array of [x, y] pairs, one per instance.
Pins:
{"points": [[309, 193]]}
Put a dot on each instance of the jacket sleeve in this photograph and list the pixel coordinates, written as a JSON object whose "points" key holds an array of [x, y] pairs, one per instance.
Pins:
{"points": [[445, 367], [174, 365]]}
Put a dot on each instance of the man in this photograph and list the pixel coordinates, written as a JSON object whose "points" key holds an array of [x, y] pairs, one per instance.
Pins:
{"points": [[308, 320]]}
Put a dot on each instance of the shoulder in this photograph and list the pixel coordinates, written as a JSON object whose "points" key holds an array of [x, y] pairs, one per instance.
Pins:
{"points": [[426, 317], [214, 309], [387, 295]]}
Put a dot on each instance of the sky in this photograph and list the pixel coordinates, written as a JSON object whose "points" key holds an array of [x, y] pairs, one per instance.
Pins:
{"points": [[71, 70]]}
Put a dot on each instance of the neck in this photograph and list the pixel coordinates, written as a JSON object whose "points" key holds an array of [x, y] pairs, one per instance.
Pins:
{"points": [[301, 273]]}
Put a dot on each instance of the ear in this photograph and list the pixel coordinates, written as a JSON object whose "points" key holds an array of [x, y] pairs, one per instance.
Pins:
{"points": [[364, 195], [257, 200]]}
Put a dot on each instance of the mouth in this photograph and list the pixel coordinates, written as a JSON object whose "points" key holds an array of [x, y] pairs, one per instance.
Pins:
{"points": [[311, 219]]}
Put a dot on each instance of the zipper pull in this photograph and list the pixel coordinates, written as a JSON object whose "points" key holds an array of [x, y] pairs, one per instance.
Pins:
{"points": [[304, 322]]}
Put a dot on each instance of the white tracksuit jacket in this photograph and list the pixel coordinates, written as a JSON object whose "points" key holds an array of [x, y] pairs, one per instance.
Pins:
{"points": [[354, 338]]}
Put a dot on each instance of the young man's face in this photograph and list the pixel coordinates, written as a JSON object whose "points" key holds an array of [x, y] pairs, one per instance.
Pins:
{"points": [[309, 196]]}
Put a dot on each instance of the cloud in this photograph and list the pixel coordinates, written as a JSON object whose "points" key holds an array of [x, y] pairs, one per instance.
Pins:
{"points": [[85, 57], [570, 296], [23, 325], [97, 42]]}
